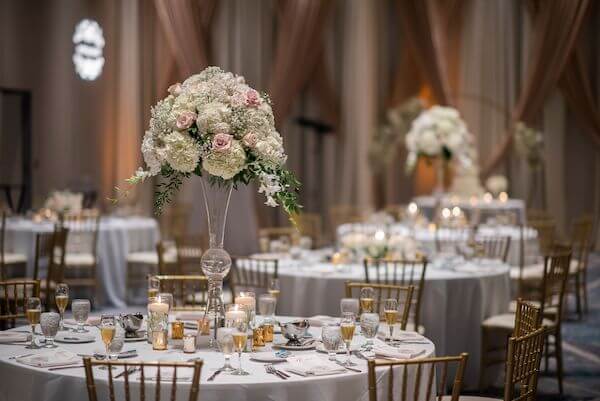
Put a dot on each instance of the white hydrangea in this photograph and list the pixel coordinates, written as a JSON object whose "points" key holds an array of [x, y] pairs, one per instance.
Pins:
{"points": [[182, 152], [225, 164], [213, 117]]}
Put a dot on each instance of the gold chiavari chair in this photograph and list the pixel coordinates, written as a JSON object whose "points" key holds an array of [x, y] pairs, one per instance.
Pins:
{"points": [[449, 239], [190, 292], [581, 237], [400, 272], [342, 214], [189, 253], [538, 214], [50, 251], [252, 274], [494, 247], [162, 375], [81, 259], [401, 293], [546, 234], [310, 225], [431, 378], [289, 234], [8, 260], [13, 299]]}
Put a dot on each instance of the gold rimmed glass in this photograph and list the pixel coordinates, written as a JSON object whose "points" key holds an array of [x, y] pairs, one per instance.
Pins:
{"points": [[240, 338], [107, 332], [61, 297], [347, 327], [390, 311], [33, 311]]}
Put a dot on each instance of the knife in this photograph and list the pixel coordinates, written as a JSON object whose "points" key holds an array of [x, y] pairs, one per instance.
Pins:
{"points": [[65, 367], [212, 377], [129, 371]]}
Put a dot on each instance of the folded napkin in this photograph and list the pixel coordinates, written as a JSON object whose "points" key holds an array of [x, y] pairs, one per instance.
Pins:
{"points": [[388, 351], [166, 374], [312, 365], [189, 315], [49, 358], [322, 320], [398, 335], [12, 337]]}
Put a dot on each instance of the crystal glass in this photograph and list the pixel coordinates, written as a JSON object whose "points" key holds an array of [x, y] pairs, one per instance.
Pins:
{"points": [[247, 299], [81, 310], [240, 339], [61, 297], [274, 287], [266, 305], [331, 336], [349, 305], [33, 309], [116, 345], [347, 327], [390, 310], [107, 332], [153, 286], [225, 343], [158, 313], [369, 324], [49, 322], [367, 299]]}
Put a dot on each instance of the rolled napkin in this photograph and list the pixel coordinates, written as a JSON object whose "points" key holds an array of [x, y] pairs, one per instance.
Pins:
{"points": [[49, 358], [189, 315], [12, 337], [322, 320], [387, 351], [312, 365]]}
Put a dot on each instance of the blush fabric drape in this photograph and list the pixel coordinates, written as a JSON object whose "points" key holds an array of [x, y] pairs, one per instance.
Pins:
{"points": [[556, 26]]}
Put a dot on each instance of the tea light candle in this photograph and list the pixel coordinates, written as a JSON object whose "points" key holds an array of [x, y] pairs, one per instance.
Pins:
{"points": [[159, 340], [413, 209], [177, 330], [503, 197], [446, 213], [158, 307], [456, 211], [379, 236], [189, 343], [204, 326], [473, 201], [246, 301], [235, 314], [487, 197]]}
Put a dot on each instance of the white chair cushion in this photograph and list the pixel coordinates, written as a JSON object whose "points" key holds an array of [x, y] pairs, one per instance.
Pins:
{"points": [[530, 272], [14, 258], [512, 307], [507, 321], [79, 259], [471, 398], [150, 257]]}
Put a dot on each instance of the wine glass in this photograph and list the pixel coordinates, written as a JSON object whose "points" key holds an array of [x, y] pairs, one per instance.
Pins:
{"points": [[390, 311], [116, 345], [274, 287], [369, 324], [107, 332], [367, 299], [266, 305], [347, 327], [33, 311], [153, 286], [349, 305], [240, 338], [81, 310], [61, 297], [49, 323], [332, 337], [225, 343]]}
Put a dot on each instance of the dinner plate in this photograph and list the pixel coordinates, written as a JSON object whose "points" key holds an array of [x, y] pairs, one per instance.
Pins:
{"points": [[74, 338], [295, 347], [141, 336], [341, 350], [266, 357]]}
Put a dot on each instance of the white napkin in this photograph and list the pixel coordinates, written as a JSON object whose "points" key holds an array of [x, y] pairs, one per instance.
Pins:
{"points": [[166, 374], [189, 315], [46, 359], [322, 320], [399, 335], [312, 365], [12, 337], [388, 351]]}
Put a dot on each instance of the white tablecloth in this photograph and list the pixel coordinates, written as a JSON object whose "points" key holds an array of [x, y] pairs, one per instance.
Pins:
{"points": [[116, 238], [454, 303], [25, 383], [487, 209]]}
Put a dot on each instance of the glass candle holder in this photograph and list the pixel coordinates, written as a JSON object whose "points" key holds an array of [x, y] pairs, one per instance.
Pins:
{"points": [[247, 299], [159, 340], [189, 343], [177, 330], [204, 326], [234, 312], [268, 331], [258, 339]]}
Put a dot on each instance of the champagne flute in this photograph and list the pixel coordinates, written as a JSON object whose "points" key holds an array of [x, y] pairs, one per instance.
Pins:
{"points": [[240, 338], [347, 326], [107, 332], [225, 343], [61, 297], [390, 311], [153, 286], [33, 311], [274, 287], [367, 295]]}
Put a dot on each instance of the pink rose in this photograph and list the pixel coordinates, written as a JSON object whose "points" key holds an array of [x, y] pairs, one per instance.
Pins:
{"points": [[252, 98], [185, 119], [175, 89], [250, 139], [221, 142]]}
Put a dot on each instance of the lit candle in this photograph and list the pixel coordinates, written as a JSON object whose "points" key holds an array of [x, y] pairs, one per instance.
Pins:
{"points": [[487, 197], [379, 236], [474, 201], [503, 197], [246, 301], [431, 227], [446, 213], [159, 340], [456, 211], [158, 307], [177, 330], [189, 343], [235, 314], [413, 209]]}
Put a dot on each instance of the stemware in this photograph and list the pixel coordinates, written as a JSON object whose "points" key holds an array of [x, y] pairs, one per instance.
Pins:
{"points": [[61, 297], [81, 310], [331, 336], [49, 323], [225, 344], [33, 310], [349, 305], [367, 299], [266, 305], [390, 311], [107, 332], [116, 344], [153, 286], [369, 324], [274, 287], [347, 327], [240, 338]]}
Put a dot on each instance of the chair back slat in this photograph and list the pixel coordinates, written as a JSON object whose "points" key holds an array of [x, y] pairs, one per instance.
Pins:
{"points": [[523, 365], [83, 231], [190, 292], [50, 250], [528, 318], [554, 279], [459, 362], [401, 293], [253, 274], [14, 295], [581, 237], [494, 246]]}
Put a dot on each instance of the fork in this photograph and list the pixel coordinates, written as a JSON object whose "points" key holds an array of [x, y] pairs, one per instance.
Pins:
{"points": [[271, 370]]}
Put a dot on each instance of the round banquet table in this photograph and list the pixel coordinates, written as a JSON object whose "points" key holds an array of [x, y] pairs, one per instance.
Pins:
{"points": [[26, 383], [455, 301], [488, 209], [117, 237]]}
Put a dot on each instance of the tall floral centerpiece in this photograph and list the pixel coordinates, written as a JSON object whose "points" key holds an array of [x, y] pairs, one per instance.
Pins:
{"points": [[215, 126], [439, 134]]}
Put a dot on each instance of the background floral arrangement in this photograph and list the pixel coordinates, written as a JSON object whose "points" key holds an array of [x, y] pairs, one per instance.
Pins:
{"points": [[439, 131], [529, 143], [496, 184], [64, 201], [215, 123]]}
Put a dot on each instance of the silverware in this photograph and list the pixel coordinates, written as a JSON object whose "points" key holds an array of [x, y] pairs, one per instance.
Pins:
{"points": [[20, 356], [129, 371], [69, 366], [360, 355], [271, 370], [348, 367], [212, 377]]}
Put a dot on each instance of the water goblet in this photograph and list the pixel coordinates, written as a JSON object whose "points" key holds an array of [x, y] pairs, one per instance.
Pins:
{"points": [[349, 305], [390, 310], [33, 309], [225, 344], [367, 299], [369, 324], [332, 337], [266, 305], [347, 327], [49, 322], [61, 297], [81, 310], [116, 345], [240, 338]]}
